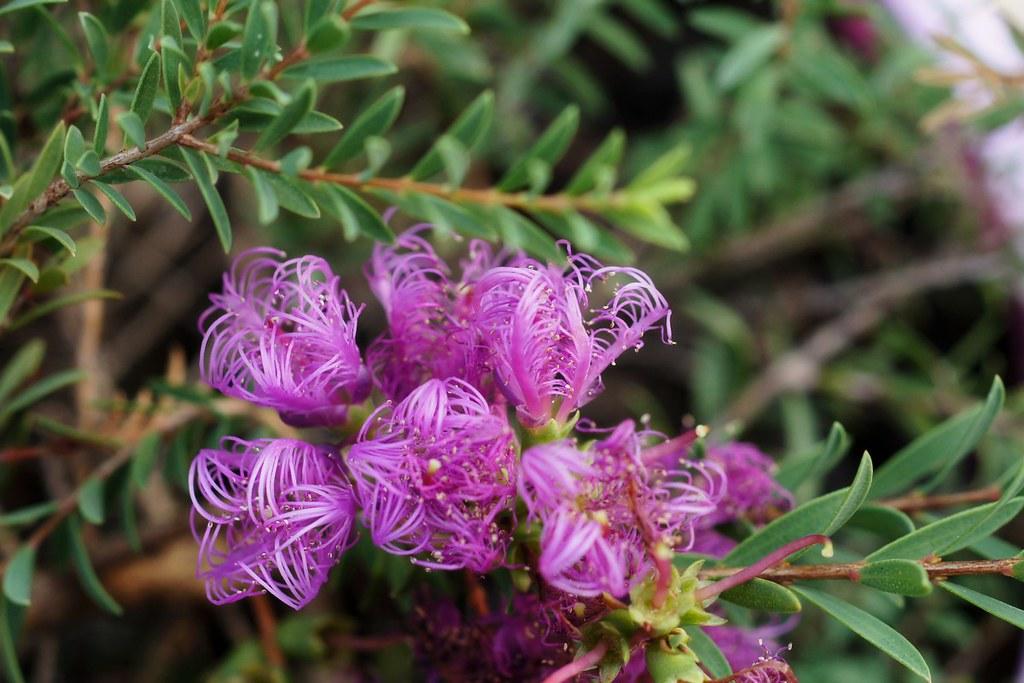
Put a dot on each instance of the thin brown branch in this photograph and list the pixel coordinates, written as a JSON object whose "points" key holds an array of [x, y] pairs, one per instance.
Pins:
{"points": [[798, 369], [916, 502], [850, 571], [487, 197], [267, 625], [354, 9]]}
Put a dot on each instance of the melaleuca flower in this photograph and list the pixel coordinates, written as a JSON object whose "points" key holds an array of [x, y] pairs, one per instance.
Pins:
{"points": [[282, 334], [746, 647], [604, 512], [751, 493], [430, 334], [433, 475], [547, 346], [270, 516]]}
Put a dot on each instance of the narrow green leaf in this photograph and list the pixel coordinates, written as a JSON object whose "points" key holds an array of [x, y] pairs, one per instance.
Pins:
{"points": [[350, 207], [99, 136], [83, 567], [549, 147], [144, 458], [116, 198], [707, 652], [871, 629], [793, 474], [30, 269], [469, 129], [669, 165], [651, 222], [997, 608], [447, 215], [97, 39], [293, 112], [291, 195], [88, 164], [420, 18], [74, 144], [165, 169], [764, 596], [750, 52], [330, 33], [973, 534], [601, 164], [28, 514], [10, 284], [23, 365], [10, 619], [930, 539], [145, 91], [519, 232], [57, 303], [374, 121], [18, 576], [940, 447], [218, 212], [91, 205], [16, 5], [162, 188], [170, 23], [195, 18], [33, 183], [255, 44], [40, 390], [134, 129], [887, 522], [856, 494], [266, 200], [902, 577], [90, 500], [337, 69]]}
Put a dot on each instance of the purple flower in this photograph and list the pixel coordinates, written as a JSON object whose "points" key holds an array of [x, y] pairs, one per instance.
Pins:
{"points": [[433, 475], [278, 514], [430, 334], [745, 647], [603, 511], [547, 346], [282, 334]]}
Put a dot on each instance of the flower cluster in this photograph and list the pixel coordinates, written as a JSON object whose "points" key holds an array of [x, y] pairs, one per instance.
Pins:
{"points": [[474, 457]]}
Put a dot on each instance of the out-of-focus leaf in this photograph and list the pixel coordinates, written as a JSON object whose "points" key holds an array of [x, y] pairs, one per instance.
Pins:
{"points": [[26, 267], [195, 18], [40, 390], [902, 577], [51, 305], [707, 652], [33, 183], [145, 90], [793, 473], [90, 500], [337, 69], [21, 366], [292, 196], [41, 232], [15, 5], [469, 128], [870, 628], [723, 22], [293, 112], [10, 621], [97, 39], [549, 148], [218, 212], [144, 458], [28, 514], [84, 569], [751, 51], [599, 168], [266, 199], [17, 582], [418, 18], [258, 38], [358, 216]]}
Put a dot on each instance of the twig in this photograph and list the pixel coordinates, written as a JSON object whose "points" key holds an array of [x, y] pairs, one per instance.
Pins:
{"points": [[491, 197], [762, 566], [850, 571], [798, 370], [916, 502], [267, 625], [354, 9]]}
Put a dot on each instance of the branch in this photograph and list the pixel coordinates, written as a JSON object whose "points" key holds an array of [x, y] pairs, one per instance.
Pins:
{"points": [[486, 197], [916, 502], [850, 571]]}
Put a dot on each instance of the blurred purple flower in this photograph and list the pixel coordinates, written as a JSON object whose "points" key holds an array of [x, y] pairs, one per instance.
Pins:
{"points": [[751, 490], [603, 510], [278, 515], [434, 473], [547, 346], [282, 334], [745, 647]]}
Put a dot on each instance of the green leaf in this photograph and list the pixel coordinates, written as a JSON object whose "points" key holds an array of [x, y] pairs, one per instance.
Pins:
{"points": [[163, 168], [292, 196], [18, 576], [971, 535], [751, 51], [116, 198], [89, 164], [469, 129], [57, 303], [723, 22], [374, 121], [422, 18], [997, 608], [97, 39], [144, 458], [813, 517], [669, 165], [134, 129], [902, 577], [145, 91], [887, 522], [74, 144], [162, 188], [358, 216], [257, 40], [669, 666], [337, 69], [871, 629], [90, 500], [23, 365], [99, 136], [33, 183], [40, 390], [266, 200], [447, 215], [221, 33], [519, 232], [940, 447], [29, 269], [856, 494], [172, 64], [793, 474], [91, 205], [28, 514], [600, 165], [10, 620], [10, 284], [330, 33], [293, 112], [651, 222], [218, 212], [763, 595], [195, 18], [707, 652], [84, 569], [549, 147], [619, 40], [16, 5], [928, 540]]}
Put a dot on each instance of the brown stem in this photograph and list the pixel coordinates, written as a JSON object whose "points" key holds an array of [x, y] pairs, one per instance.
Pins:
{"points": [[762, 566], [522, 200], [267, 625], [476, 594], [850, 571], [916, 502], [354, 9]]}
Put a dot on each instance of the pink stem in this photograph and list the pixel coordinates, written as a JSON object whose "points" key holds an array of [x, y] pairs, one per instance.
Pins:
{"points": [[664, 582], [765, 563], [578, 666]]}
